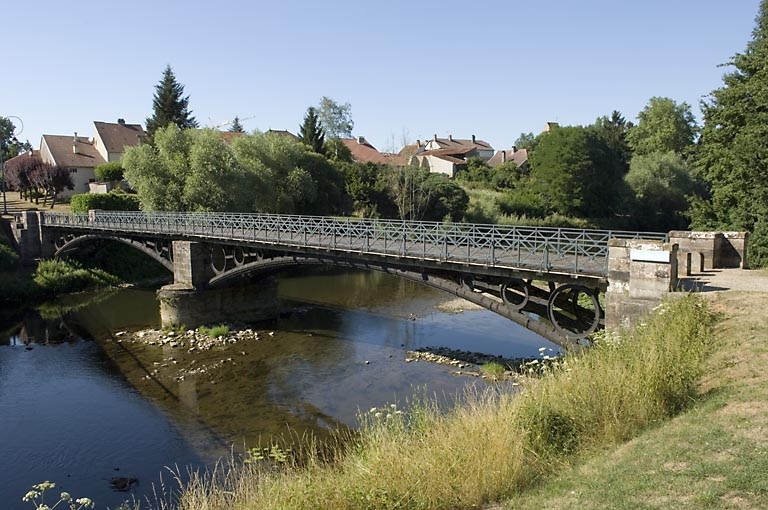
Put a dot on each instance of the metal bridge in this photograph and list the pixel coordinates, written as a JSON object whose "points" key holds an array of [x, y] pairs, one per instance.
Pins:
{"points": [[519, 272]]}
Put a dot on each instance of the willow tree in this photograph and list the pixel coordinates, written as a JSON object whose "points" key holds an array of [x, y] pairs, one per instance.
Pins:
{"points": [[733, 156]]}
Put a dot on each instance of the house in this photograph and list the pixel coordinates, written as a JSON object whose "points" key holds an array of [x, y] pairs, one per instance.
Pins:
{"points": [[443, 161], [514, 155], [483, 149], [447, 155], [82, 154]]}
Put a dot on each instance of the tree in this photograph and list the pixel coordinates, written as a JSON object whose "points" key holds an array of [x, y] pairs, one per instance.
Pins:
{"points": [[10, 147], [660, 183], [336, 150], [526, 141], [187, 170], [236, 126], [663, 125], [169, 105], [311, 132], [732, 155], [577, 173], [335, 118], [613, 130], [111, 171]]}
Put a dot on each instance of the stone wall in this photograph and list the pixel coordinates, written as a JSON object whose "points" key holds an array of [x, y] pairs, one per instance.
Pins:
{"points": [[34, 242], [640, 274], [709, 250]]}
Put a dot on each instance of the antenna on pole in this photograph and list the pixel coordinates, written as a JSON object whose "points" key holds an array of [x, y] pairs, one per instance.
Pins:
{"points": [[227, 123]]}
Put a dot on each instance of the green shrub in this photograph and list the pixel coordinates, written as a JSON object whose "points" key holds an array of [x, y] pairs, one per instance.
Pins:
{"points": [[112, 201], [112, 171], [214, 331], [58, 276], [9, 259]]}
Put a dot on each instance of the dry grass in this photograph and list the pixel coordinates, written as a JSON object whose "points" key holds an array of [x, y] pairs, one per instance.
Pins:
{"points": [[15, 204], [715, 455]]}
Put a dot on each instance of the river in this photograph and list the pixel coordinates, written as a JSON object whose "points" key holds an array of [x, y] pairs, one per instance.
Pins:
{"points": [[80, 406]]}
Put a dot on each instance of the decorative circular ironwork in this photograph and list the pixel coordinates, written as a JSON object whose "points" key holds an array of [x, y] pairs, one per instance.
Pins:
{"points": [[238, 255], [218, 259], [574, 310], [515, 294], [63, 240]]}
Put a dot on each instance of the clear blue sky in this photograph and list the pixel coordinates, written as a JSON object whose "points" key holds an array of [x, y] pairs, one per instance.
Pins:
{"points": [[409, 69]]}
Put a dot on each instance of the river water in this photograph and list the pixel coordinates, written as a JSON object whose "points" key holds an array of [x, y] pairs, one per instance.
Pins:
{"points": [[80, 406]]}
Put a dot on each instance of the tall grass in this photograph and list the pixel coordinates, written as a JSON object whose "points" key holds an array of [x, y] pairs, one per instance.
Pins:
{"points": [[495, 443]]}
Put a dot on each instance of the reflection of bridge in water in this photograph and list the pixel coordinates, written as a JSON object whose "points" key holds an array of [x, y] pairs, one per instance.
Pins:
{"points": [[546, 279]]}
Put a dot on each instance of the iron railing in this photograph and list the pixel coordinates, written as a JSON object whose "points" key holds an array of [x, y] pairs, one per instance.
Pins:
{"points": [[561, 250]]}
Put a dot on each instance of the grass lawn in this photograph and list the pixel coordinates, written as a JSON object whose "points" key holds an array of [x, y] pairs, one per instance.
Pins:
{"points": [[715, 455], [15, 204]]}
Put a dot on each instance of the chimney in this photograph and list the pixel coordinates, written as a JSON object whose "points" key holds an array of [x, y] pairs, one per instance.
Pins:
{"points": [[514, 149], [435, 137], [450, 138], [121, 122], [361, 140], [418, 143], [74, 143], [503, 156], [473, 138]]}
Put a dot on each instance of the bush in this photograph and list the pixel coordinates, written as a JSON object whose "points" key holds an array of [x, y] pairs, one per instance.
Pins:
{"points": [[112, 171], [9, 259], [59, 276], [112, 201]]}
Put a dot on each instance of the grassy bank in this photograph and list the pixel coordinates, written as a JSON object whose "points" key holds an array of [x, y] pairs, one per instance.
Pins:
{"points": [[496, 444], [714, 455]]}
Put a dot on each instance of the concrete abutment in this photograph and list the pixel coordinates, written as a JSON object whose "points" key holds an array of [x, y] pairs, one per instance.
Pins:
{"points": [[640, 274]]}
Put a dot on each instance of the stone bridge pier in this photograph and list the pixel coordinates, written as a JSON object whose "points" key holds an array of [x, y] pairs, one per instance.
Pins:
{"points": [[189, 300]]}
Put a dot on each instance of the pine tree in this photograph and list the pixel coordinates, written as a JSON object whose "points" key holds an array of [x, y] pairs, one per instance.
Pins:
{"points": [[236, 126], [732, 155], [169, 106], [311, 132]]}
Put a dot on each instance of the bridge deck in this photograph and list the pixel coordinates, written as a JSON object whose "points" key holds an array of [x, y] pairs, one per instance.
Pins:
{"points": [[547, 250]]}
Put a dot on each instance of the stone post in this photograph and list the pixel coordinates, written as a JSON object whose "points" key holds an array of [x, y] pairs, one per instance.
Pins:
{"points": [[191, 265], [34, 242], [640, 274]]}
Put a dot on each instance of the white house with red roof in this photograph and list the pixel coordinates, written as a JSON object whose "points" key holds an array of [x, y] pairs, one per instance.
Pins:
{"points": [[81, 154]]}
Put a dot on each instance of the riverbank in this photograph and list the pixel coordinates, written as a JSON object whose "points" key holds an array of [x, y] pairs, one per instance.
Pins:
{"points": [[714, 455], [494, 444]]}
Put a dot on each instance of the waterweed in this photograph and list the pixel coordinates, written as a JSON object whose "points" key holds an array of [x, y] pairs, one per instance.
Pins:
{"points": [[36, 496]]}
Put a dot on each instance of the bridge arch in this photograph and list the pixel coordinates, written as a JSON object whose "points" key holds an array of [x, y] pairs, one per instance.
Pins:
{"points": [[555, 312], [158, 250]]}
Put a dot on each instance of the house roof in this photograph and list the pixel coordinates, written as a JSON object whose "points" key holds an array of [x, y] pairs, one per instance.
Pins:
{"points": [[229, 136], [117, 136], [516, 156], [27, 154], [450, 155], [453, 143], [61, 148], [364, 152], [284, 132]]}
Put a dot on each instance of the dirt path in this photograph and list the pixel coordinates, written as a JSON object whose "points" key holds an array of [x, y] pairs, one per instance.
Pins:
{"points": [[715, 280]]}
